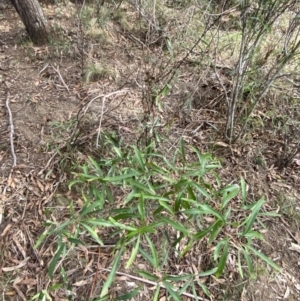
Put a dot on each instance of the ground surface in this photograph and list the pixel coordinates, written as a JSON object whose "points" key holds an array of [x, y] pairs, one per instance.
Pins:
{"points": [[45, 89]]}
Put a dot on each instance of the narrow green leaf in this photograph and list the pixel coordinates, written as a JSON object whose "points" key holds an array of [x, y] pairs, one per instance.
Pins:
{"points": [[166, 90], [140, 186], [122, 226], [248, 261], [187, 248], [227, 214], [130, 196], [76, 241], [199, 235], [171, 291], [178, 278], [181, 184], [200, 189], [272, 214], [46, 296], [147, 275], [170, 165], [91, 178], [194, 289], [207, 273], [104, 298], [203, 160], [186, 285], [153, 251], [118, 152], [139, 158], [146, 255], [222, 261], [191, 194], [219, 247], [152, 197], [120, 177], [265, 258], [228, 194], [141, 208], [63, 274], [36, 296], [106, 194], [156, 294], [129, 295], [251, 218], [98, 222], [55, 259], [96, 167], [41, 239], [90, 207], [254, 234], [168, 207], [204, 288], [153, 167], [182, 150], [217, 227], [92, 232], [112, 274], [74, 182], [178, 202], [175, 225], [60, 227], [144, 229], [55, 287], [205, 209], [133, 253], [240, 267], [244, 190], [124, 216]]}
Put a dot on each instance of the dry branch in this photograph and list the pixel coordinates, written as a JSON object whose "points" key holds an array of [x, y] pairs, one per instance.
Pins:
{"points": [[12, 148]]}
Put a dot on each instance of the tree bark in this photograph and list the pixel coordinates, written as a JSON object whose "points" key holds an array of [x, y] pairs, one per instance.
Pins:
{"points": [[34, 20]]}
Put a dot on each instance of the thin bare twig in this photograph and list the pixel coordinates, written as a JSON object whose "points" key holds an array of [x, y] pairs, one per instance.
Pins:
{"points": [[12, 131], [81, 38], [43, 69], [12, 149], [61, 78], [104, 96], [102, 113]]}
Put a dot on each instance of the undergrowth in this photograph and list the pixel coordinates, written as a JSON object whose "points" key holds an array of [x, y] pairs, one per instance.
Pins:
{"points": [[153, 208]]}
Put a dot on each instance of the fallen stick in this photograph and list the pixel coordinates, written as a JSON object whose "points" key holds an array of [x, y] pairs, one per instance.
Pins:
{"points": [[12, 149]]}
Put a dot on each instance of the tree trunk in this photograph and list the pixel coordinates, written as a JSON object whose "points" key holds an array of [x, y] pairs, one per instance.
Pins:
{"points": [[34, 20]]}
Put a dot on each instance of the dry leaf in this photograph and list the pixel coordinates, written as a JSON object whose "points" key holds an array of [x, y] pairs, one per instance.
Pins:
{"points": [[295, 247], [220, 143], [82, 282], [40, 185], [20, 265], [287, 293]]}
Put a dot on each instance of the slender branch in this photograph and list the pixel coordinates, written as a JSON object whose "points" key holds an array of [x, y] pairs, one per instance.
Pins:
{"points": [[61, 78], [267, 86], [12, 130], [104, 96], [12, 149]]}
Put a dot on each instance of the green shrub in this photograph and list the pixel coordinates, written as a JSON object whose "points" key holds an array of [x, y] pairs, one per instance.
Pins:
{"points": [[134, 195]]}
